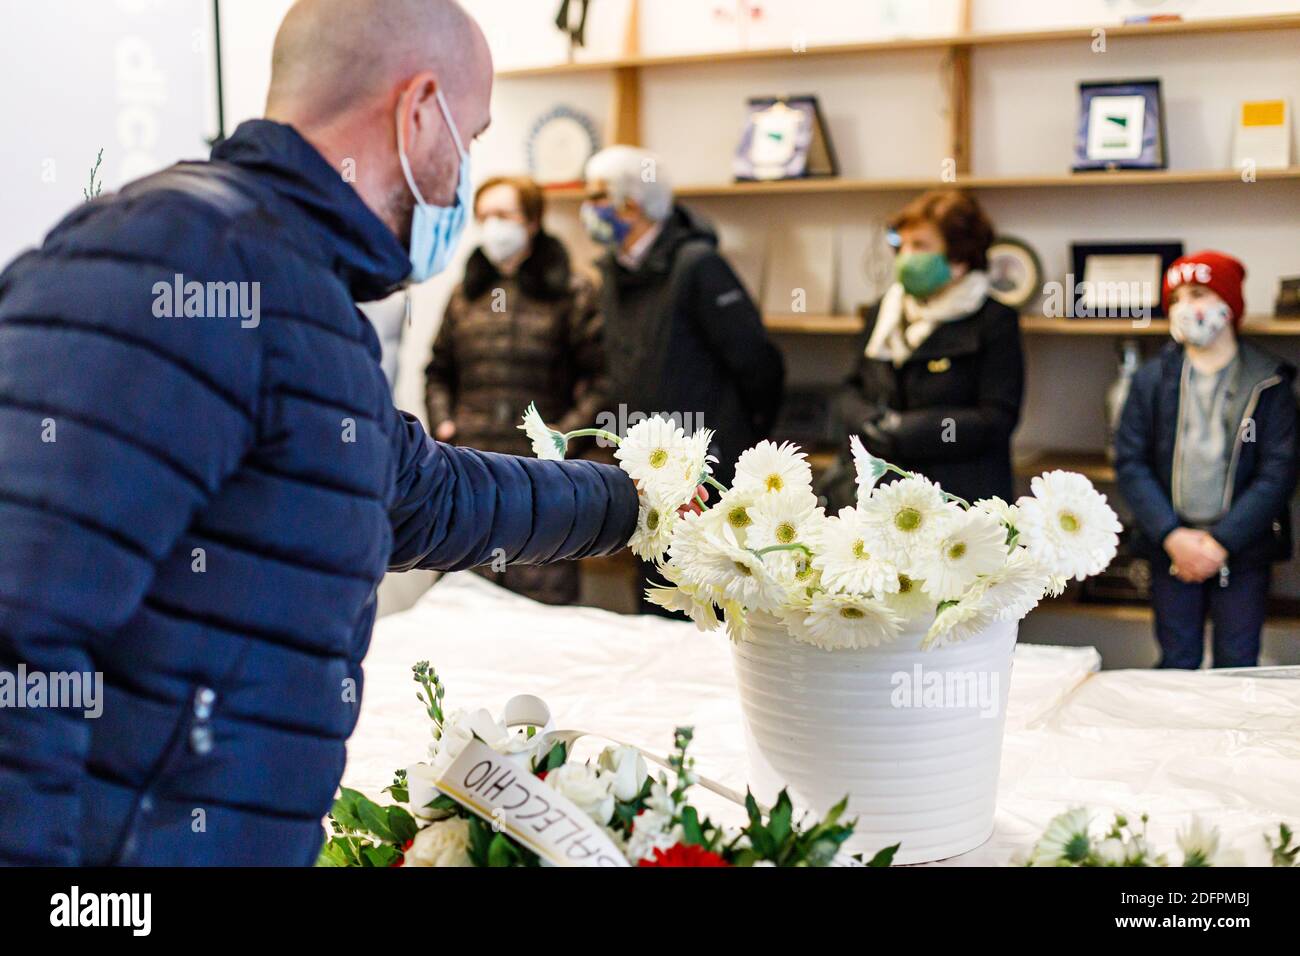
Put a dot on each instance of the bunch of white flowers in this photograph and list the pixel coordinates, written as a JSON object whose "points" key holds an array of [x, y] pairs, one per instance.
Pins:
{"points": [[907, 555]]}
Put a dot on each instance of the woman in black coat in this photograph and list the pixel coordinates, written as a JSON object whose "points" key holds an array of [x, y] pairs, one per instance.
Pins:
{"points": [[938, 387]]}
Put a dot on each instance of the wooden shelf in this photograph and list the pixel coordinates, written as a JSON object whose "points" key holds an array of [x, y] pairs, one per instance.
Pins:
{"points": [[1091, 464], [1038, 325], [962, 40], [814, 324], [838, 185], [1030, 325]]}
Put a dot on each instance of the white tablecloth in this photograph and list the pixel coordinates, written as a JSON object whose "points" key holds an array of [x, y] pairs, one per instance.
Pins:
{"points": [[1168, 743]]}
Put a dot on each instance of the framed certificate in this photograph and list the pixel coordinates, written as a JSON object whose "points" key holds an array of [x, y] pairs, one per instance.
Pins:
{"points": [[1121, 280], [1121, 126]]}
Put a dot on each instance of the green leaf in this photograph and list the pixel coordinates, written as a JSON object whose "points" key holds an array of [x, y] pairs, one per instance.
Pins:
{"points": [[502, 851], [779, 823], [380, 856], [691, 832], [345, 809], [375, 820], [885, 857], [556, 757], [402, 825]]}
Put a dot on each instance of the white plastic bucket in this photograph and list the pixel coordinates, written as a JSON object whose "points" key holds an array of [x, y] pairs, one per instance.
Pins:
{"points": [[912, 737]]}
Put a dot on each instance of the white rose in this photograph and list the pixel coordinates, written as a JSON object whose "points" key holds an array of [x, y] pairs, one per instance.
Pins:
{"points": [[461, 726], [589, 790], [627, 768], [445, 843]]}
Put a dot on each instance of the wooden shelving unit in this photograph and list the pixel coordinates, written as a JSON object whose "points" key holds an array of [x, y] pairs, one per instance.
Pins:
{"points": [[1092, 465], [840, 186], [1033, 325], [964, 39]]}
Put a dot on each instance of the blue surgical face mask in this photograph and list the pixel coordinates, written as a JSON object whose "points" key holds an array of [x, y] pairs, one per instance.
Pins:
{"points": [[435, 230], [603, 224]]}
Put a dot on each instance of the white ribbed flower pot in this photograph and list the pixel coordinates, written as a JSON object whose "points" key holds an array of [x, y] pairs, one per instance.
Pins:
{"points": [[832, 723]]}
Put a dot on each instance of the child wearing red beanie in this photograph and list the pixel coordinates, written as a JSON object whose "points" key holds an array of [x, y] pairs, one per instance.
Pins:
{"points": [[1206, 459]]}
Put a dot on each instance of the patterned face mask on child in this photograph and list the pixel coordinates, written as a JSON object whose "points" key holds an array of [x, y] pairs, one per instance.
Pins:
{"points": [[1198, 323]]}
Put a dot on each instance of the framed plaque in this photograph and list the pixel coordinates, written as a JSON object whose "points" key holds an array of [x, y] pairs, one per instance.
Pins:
{"points": [[1121, 126], [1121, 280], [784, 138]]}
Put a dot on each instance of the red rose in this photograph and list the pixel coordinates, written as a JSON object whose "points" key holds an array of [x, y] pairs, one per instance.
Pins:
{"points": [[685, 855]]}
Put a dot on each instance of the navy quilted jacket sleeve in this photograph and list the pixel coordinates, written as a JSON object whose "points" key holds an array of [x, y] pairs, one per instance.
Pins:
{"points": [[458, 508]]}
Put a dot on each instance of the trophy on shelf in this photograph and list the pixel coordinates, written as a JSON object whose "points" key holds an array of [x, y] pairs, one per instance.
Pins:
{"points": [[785, 137]]}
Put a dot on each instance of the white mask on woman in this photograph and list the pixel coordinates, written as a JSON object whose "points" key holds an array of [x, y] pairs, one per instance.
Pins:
{"points": [[503, 239]]}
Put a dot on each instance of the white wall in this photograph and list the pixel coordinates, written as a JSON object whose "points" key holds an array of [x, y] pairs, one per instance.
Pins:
{"points": [[130, 76]]}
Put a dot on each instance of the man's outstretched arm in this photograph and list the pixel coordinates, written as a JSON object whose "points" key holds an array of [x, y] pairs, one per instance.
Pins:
{"points": [[457, 508]]}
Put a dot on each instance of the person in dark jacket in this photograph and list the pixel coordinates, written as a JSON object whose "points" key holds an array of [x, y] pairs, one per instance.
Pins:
{"points": [[522, 327], [204, 476], [682, 334], [1206, 459], [938, 386]]}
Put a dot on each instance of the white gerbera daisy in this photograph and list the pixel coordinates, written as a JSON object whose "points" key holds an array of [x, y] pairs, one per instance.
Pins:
{"points": [[1200, 845], [972, 543], [547, 444], [835, 621], [1008, 514], [909, 516], [769, 467], [960, 621], [1016, 588], [654, 454], [655, 522], [781, 520], [736, 573], [738, 628], [693, 537], [735, 508], [1064, 842], [694, 464], [848, 554], [911, 602], [695, 602], [1067, 526], [869, 468]]}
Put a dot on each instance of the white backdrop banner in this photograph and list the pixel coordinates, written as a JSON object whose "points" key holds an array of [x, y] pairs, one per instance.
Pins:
{"points": [[133, 77]]}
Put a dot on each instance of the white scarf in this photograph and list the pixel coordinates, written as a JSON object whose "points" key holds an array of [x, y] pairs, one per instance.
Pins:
{"points": [[903, 323]]}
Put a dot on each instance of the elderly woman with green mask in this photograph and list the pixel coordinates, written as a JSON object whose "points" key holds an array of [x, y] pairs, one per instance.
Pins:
{"points": [[939, 380]]}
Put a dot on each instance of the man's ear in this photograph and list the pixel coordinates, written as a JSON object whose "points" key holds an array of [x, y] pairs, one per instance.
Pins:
{"points": [[416, 99]]}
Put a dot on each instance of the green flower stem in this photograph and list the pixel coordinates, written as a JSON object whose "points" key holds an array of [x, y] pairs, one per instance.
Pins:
{"points": [[889, 466], [784, 547], [700, 501], [593, 433], [710, 480]]}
